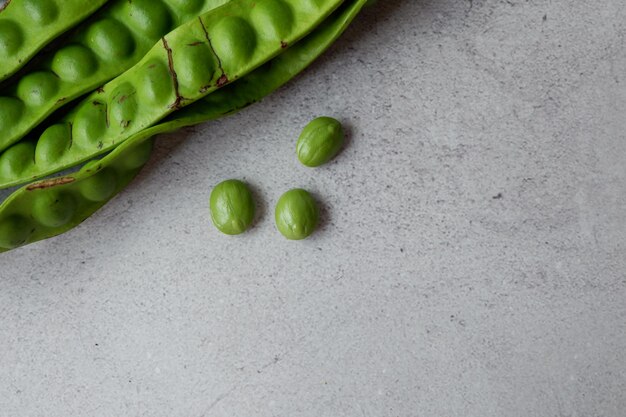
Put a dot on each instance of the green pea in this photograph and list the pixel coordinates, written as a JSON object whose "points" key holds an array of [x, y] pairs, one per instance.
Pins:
{"points": [[274, 18], [37, 87], [320, 142], [123, 106], [110, 39], [137, 156], [41, 12], [11, 110], [297, 214], [53, 142], [16, 159], [74, 62], [235, 38], [232, 207], [98, 187], [11, 37], [149, 16]]}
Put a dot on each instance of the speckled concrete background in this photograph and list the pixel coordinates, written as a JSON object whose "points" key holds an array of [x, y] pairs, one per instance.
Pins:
{"points": [[472, 260]]}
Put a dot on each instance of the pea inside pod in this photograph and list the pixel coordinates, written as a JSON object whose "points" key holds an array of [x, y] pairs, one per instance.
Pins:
{"points": [[26, 26], [320, 141]]}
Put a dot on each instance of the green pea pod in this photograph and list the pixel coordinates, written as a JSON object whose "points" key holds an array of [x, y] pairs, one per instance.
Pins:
{"points": [[89, 189], [26, 26], [187, 64], [100, 49]]}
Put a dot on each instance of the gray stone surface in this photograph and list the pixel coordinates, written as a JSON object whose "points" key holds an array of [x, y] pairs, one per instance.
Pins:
{"points": [[471, 262]]}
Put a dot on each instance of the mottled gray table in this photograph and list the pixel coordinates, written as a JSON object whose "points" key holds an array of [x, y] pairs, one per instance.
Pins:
{"points": [[471, 262]]}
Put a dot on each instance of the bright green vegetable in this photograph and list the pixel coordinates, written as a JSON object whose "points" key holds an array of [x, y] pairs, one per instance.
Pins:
{"points": [[297, 214], [100, 180], [26, 26], [232, 207], [189, 63], [100, 49], [50, 207], [320, 141]]}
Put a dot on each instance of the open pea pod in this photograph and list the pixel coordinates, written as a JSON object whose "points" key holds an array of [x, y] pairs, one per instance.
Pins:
{"points": [[187, 64], [100, 49], [51, 207], [26, 26]]}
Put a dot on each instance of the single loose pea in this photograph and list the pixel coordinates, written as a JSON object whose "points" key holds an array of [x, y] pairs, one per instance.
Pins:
{"points": [[320, 141], [232, 207], [297, 214]]}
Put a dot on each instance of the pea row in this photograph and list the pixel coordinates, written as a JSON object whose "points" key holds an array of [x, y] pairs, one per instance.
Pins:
{"points": [[189, 63], [99, 50], [26, 26], [48, 208]]}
